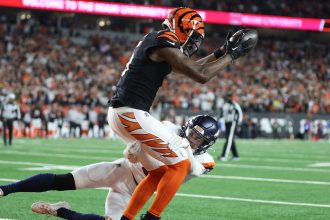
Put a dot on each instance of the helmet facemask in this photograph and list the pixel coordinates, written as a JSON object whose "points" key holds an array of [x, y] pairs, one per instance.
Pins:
{"points": [[192, 43]]}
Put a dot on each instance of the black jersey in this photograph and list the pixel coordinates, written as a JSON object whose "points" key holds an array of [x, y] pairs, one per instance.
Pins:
{"points": [[142, 77]]}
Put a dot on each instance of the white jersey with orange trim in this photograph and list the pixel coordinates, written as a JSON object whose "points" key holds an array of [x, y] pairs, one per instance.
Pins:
{"points": [[205, 159], [149, 163]]}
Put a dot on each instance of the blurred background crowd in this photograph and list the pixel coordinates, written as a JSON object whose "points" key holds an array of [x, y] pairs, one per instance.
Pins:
{"points": [[68, 74]]}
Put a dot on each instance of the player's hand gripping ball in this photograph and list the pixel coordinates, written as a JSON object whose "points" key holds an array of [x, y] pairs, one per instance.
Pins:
{"points": [[241, 42]]}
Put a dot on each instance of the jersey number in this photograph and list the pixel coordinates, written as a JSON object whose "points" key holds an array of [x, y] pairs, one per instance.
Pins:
{"points": [[130, 60]]}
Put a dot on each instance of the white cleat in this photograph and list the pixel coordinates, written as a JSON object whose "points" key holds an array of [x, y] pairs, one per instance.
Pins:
{"points": [[1, 193], [48, 208]]}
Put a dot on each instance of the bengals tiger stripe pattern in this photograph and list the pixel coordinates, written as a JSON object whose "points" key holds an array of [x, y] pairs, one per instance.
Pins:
{"points": [[130, 123]]}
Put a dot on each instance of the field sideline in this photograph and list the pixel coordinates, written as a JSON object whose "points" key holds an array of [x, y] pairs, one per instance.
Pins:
{"points": [[275, 179]]}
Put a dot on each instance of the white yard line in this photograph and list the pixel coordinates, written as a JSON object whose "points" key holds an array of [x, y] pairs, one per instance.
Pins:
{"points": [[325, 164], [68, 149], [46, 166], [231, 199], [278, 160], [254, 200], [245, 166], [8, 180], [308, 182], [58, 155], [289, 156], [60, 145]]}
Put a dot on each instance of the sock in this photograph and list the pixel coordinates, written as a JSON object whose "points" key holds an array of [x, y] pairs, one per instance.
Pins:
{"points": [[144, 191], [41, 183], [168, 186], [72, 215], [37, 183]]}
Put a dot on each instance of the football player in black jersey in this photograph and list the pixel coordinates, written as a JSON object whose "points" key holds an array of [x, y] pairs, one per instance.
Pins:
{"points": [[157, 55]]}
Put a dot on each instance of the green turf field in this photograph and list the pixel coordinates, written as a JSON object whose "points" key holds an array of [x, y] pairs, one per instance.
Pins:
{"points": [[273, 180]]}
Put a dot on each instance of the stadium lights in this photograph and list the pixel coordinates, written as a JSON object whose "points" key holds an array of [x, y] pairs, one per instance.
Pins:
{"points": [[103, 23], [23, 16]]}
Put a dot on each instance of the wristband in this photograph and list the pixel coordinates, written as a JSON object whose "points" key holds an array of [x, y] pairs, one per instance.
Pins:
{"points": [[218, 53]]}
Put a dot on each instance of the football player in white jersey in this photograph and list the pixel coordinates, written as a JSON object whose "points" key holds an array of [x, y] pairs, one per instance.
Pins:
{"points": [[122, 175]]}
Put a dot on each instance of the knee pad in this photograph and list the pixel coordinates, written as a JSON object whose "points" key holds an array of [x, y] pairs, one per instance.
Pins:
{"points": [[64, 182]]}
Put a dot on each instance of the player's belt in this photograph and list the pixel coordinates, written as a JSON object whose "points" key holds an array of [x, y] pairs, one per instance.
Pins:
{"points": [[116, 104]]}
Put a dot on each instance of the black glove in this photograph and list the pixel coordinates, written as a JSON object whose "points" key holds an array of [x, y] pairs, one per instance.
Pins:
{"points": [[237, 44]]}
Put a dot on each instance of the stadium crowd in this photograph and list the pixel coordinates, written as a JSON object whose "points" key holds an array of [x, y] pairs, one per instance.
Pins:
{"points": [[297, 8], [53, 73]]}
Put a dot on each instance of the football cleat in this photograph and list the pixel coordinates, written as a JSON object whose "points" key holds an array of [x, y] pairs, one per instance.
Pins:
{"points": [[149, 216], [48, 208]]}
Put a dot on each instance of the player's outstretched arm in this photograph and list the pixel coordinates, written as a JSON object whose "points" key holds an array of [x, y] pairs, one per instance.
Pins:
{"points": [[201, 73], [236, 45]]}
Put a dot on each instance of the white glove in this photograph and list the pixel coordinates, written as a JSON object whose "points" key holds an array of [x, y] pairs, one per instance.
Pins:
{"points": [[176, 142], [132, 150], [196, 168]]}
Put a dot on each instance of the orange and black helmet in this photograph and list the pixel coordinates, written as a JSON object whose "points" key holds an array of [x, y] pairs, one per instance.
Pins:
{"points": [[188, 26]]}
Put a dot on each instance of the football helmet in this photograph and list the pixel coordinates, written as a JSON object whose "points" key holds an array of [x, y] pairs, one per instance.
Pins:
{"points": [[188, 26], [201, 131]]}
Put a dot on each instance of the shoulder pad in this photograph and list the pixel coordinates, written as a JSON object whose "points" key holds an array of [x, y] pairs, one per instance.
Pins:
{"points": [[168, 39]]}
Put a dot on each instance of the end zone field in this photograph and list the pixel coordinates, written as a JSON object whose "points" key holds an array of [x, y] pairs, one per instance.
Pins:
{"points": [[275, 179]]}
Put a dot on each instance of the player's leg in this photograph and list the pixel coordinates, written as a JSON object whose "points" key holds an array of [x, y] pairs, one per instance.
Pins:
{"points": [[115, 204], [168, 186], [114, 174], [63, 210], [4, 132], [230, 138], [234, 150], [91, 176], [40, 183], [10, 128], [144, 191], [104, 174], [158, 142], [228, 143]]}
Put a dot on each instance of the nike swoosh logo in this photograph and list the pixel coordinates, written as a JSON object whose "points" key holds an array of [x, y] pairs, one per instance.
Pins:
{"points": [[234, 48], [170, 42]]}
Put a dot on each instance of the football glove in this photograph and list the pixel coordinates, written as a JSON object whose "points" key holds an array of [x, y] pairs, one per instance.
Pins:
{"points": [[196, 168], [237, 45], [132, 150], [176, 142]]}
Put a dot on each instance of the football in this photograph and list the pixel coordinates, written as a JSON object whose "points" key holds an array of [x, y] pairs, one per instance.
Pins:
{"points": [[249, 37]]}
